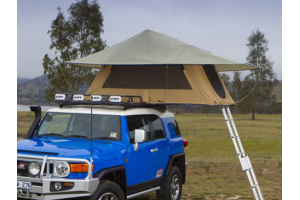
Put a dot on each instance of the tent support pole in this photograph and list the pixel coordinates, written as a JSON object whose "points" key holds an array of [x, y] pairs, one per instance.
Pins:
{"points": [[244, 158]]}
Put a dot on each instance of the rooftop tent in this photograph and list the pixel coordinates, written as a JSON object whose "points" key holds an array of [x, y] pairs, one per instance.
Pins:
{"points": [[162, 70]]}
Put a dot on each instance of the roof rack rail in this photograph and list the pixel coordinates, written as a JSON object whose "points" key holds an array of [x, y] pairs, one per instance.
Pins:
{"points": [[70, 99]]}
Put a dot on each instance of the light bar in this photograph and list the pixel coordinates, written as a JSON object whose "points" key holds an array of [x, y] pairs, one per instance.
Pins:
{"points": [[60, 96], [95, 98], [78, 97], [115, 99]]}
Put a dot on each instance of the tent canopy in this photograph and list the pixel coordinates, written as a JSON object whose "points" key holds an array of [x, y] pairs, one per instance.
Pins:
{"points": [[162, 70], [152, 48]]}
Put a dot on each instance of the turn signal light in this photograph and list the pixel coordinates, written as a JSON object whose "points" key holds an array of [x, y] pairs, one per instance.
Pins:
{"points": [[79, 168], [185, 143]]}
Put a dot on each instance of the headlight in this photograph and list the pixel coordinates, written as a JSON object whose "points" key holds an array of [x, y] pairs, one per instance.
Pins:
{"points": [[62, 168], [34, 168]]}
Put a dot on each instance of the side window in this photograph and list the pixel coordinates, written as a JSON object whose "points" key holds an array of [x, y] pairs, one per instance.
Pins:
{"points": [[157, 126], [138, 122], [175, 125]]}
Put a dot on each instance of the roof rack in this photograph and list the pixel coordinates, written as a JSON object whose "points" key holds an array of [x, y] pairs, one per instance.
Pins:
{"points": [[127, 102]]}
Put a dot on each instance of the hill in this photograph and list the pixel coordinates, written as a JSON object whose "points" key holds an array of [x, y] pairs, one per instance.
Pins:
{"points": [[32, 91], [22, 80]]}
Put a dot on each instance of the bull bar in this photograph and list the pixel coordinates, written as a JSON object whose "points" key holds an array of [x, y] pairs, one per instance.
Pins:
{"points": [[41, 187]]}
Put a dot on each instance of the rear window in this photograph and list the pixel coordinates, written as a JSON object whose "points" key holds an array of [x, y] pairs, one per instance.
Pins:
{"points": [[175, 125]]}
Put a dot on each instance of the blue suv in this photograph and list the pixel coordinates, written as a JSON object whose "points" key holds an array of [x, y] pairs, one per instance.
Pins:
{"points": [[109, 150]]}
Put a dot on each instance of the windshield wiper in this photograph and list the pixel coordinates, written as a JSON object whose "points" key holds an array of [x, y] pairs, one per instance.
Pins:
{"points": [[77, 136], [104, 138], [50, 134]]}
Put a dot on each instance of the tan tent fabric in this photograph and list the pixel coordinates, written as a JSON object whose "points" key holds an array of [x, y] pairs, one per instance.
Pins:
{"points": [[202, 91], [152, 48]]}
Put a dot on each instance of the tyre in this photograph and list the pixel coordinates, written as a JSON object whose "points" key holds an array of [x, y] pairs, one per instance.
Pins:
{"points": [[171, 186], [108, 190]]}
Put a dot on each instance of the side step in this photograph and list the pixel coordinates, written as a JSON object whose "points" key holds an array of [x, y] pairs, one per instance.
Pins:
{"points": [[143, 192]]}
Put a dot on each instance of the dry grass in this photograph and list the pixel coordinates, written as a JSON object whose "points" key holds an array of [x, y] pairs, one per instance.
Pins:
{"points": [[214, 169]]}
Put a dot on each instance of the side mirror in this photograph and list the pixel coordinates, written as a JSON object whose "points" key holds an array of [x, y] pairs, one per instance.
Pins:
{"points": [[139, 137]]}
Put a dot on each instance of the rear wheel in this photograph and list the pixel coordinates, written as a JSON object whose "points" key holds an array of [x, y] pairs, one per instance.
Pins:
{"points": [[108, 190], [171, 186]]}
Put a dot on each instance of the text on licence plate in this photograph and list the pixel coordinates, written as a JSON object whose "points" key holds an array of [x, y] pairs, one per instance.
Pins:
{"points": [[24, 184]]}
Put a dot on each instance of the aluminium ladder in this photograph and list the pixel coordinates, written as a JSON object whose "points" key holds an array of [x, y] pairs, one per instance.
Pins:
{"points": [[244, 158]]}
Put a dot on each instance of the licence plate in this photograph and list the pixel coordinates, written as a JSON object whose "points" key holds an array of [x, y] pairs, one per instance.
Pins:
{"points": [[23, 184]]}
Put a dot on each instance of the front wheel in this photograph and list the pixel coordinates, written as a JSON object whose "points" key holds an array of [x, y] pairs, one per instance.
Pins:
{"points": [[108, 190], [171, 186]]}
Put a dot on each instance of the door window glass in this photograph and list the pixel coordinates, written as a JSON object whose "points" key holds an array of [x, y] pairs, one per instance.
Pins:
{"points": [[138, 122]]}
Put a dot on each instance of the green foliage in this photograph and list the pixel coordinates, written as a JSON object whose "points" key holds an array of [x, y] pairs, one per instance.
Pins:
{"points": [[226, 79], [236, 89], [74, 37], [261, 79], [274, 107]]}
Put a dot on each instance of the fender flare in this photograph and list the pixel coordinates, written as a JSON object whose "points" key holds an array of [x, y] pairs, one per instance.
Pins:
{"points": [[181, 164], [120, 169]]}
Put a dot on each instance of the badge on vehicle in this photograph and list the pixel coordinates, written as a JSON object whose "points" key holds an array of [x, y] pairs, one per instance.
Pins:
{"points": [[159, 173]]}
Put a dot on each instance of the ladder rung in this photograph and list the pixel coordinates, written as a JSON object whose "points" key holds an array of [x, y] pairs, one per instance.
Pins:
{"points": [[247, 169], [235, 136], [253, 186]]}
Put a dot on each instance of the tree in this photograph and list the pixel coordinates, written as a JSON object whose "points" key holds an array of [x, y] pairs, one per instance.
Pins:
{"points": [[261, 80], [74, 37], [226, 79], [236, 88]]}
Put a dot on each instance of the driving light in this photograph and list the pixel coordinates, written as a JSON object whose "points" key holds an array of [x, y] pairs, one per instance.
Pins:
{"points": [[57, 186], [115, 98], [62, 169], [60, 97], [34, 168], [78, 97]]}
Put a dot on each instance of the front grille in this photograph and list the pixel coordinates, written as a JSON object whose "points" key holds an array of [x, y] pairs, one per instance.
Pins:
{"points": [[23, 171]]}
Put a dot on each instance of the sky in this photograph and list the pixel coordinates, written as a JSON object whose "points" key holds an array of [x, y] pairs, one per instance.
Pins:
{"points": [[221, 27]]}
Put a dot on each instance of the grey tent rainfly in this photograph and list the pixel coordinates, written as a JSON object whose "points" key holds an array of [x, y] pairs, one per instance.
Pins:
{"points": [[162, 70]]}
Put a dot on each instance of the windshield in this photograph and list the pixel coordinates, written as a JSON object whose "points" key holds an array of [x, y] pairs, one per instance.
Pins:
{"points": [[105, 127]]}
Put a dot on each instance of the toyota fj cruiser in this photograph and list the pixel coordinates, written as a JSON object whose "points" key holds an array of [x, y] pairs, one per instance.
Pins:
{"points": [[102, 147]]}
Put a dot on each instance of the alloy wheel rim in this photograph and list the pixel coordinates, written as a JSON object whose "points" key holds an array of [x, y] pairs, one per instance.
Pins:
{"points": [[108, 196], [174, 187]]}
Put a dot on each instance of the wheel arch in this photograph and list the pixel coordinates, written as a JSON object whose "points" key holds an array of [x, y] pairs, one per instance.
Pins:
{"points": [[177, 160], [114, 174]]}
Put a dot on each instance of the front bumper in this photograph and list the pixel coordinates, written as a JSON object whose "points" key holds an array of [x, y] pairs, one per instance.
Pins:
{"points": [[40, 186], [41, 189]]}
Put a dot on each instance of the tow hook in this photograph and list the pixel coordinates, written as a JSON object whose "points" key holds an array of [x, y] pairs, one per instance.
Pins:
{"points": [[23, 193], [20, 192]]}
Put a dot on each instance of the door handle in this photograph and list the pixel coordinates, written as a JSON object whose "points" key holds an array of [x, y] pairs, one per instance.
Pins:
{"points": [[154, 150]]}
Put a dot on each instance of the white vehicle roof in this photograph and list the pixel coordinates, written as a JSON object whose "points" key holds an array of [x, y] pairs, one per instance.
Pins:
{"points": [[113, 110]]}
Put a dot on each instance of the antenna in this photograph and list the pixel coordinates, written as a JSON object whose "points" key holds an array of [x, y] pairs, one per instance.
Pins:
{"points": [[91, 155]]}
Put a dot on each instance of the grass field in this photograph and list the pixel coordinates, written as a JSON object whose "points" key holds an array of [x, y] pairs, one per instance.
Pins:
{"points": [[214, 170]]}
